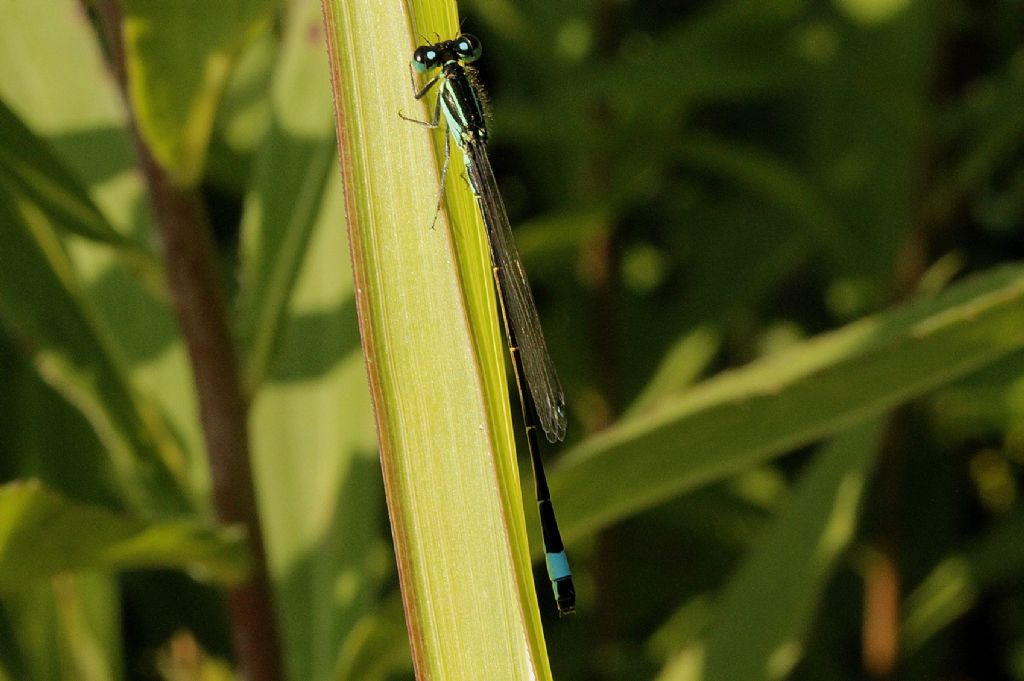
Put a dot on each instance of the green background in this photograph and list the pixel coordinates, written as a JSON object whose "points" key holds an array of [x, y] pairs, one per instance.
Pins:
{"points": [[775, 247]]}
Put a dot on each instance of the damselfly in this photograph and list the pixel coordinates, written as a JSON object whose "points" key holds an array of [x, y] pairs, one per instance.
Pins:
{"points": [[539, 388]]}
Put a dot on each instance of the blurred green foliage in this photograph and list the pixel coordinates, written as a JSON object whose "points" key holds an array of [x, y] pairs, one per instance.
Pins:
{"points": [[699, 187]]}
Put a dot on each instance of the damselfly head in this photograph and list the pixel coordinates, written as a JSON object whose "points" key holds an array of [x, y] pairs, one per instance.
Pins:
{"points": [[466, 48]]}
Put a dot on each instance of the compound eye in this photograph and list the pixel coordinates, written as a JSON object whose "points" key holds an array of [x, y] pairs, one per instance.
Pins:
{"points": [[468, 47], [424, 58]]}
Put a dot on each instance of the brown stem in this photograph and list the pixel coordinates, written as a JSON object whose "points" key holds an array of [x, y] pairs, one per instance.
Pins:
{"points": [[883, 577], [882, 580], [199, 303], [882, 587], [881, 617]]}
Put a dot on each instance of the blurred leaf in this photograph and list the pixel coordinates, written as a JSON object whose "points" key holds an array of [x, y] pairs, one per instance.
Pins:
{"points": [[183, 659], [773, 181], [684, 628], [718, 65], [162, 602], [983, 405], [870, 12], [989, 124], [284, 202], [65, 94], [244, 116], [77, 615], [546, 240], [953, 587], [727, 51], [38, 174], [246, 110], [178, 57], [43, 180], [865, 142], [88, 611], [728, 279], [37, 82], [322, 519], [788, 400], [35, 422], [505, 17], [43, 305], [680, 367], [766, 608], [42, 534], [377, 647]]}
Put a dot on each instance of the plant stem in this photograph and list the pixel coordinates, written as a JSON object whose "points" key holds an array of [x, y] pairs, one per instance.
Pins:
{"points": [[199, 304]]}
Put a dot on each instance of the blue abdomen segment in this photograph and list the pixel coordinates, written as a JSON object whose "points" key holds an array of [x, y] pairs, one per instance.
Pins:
{"points": [[554, 554], [558, 566]]}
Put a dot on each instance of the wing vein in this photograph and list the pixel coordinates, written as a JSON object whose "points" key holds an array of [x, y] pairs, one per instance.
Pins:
{"points": [[520, 309]]}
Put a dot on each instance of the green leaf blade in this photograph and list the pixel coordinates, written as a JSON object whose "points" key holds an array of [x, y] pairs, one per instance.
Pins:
{"points": [[430, 333], [321, 514], [762, 621], [178, 57], [283, 205], [57, 326], [43, 534], [789, 400]]}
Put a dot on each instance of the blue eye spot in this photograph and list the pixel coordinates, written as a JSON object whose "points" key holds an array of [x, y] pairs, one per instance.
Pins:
{"points": [[431, 55]]}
